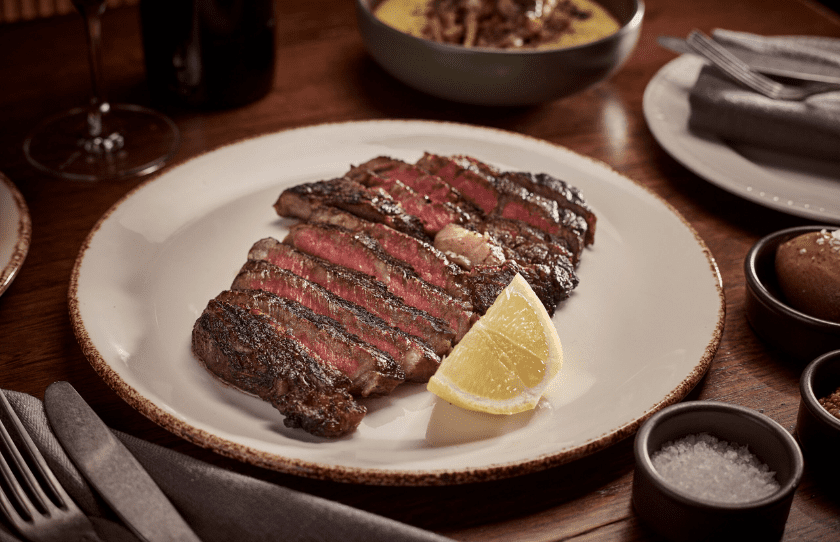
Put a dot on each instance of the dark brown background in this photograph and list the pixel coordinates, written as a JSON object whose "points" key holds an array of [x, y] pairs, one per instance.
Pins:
{"points": [[324, 75]]}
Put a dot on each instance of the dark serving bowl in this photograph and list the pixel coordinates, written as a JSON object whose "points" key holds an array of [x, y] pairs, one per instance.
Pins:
{"points": [[677, 515], [817, 430], [798, 335], [498, 77]]}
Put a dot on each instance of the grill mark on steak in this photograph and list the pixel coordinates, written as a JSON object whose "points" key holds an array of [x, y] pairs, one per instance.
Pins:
{"points": [[504, 198], [360, 289], [512, 233], [433, 215], [370, 370], [431, 186], [542, 184], [416, 358], [245, 350], [371, 204], [428, 262], [360, 252]]}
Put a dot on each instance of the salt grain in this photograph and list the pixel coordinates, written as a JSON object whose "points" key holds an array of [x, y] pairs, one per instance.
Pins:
{"points": [[715, 470]]}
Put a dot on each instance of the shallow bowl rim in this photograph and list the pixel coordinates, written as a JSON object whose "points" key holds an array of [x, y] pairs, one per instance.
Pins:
{"points": [[643, 460]]}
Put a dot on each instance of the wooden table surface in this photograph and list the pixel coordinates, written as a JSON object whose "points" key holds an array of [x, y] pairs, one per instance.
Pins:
{"points": [[325, 75]]}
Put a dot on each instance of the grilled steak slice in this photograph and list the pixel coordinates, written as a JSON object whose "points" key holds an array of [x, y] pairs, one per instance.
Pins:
{"points": [[542, 184], [431, 186], [360, 289], [244, 349], [428, 262], [416, 358], [370, 204], [370, 370], [433, 215], [501, 197], [490, 280], [360, 252], [513, 233]]}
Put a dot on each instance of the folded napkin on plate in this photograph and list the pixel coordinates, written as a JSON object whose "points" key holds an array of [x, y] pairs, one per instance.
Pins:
{"points": [[727, 110], [219, 505]]}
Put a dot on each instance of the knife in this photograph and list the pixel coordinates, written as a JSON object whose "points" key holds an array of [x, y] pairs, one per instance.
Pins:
{"points": [[767, 66], [111, 468]]}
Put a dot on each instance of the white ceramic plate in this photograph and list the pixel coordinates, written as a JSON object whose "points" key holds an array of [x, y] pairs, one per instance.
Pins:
{"points": [[639, 332], [15, 232], [795, 185]]}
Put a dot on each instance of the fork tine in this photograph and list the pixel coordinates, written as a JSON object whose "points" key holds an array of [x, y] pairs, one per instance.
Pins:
{"points": [[28, 506]]}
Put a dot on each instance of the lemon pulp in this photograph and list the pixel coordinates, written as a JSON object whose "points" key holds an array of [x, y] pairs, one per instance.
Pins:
{"points": [[508, 358]]}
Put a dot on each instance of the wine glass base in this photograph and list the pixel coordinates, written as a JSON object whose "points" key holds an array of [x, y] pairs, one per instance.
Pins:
{"points": [[134, 141]]}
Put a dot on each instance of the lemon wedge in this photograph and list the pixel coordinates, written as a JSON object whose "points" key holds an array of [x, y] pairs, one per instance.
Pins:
{"points": [[506, 360]]}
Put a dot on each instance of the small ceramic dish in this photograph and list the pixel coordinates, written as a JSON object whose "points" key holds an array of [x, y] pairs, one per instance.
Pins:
{"points": [[798, 335], [500, 77], [679, 515], [817, 430]]}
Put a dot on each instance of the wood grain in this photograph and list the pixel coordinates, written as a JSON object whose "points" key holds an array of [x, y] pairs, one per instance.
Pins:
{"points": [[324, 75]]}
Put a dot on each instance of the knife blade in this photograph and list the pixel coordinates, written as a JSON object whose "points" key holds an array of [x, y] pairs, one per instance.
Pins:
{"points": [[111, 468], [756, 62]]}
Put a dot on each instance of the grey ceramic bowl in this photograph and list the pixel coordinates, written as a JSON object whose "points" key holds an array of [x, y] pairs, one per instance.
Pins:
{"points": [[495, 77], [798, 335], [817, 430], [679, 516]]}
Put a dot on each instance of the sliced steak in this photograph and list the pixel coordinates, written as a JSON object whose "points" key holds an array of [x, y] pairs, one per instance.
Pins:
{"points": [[542, 184], [360, 252], [431, 186], [244, 350], [513, 233], [370, 370], [370, 204], [433, 215], [416, 358], [428, 262], [360, 289], [501, 197]]}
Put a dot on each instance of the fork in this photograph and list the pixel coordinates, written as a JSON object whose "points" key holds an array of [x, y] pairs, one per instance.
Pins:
{"points": [[741, 72], [32, 498]]}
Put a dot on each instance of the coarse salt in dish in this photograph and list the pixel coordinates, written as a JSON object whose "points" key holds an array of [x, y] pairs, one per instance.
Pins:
{"points": [[713, 469]]}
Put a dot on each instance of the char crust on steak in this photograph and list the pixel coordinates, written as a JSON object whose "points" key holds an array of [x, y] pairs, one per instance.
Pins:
{"points": [[387, 267], [417, 358], [370, 370], [246, 351]]}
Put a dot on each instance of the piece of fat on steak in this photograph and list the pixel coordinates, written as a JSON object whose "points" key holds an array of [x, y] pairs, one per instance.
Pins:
{"points": [[357, 288], [371, 204], [244, 350], [360, 252], [417, 358], [370, 370], [428, 262]]}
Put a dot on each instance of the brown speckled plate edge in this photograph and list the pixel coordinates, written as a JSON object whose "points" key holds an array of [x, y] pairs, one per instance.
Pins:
{"points": [[23, 236], [385, 477]]}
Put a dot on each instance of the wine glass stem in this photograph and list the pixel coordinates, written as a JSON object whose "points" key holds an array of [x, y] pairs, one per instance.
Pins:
{"points": [[92, 14]]}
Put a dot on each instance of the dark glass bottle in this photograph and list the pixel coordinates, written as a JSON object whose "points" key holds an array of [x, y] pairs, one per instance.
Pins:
{"points": [[210, 54]]}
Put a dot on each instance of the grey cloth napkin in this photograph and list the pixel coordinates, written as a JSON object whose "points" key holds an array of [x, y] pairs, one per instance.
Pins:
{"points": [[733, 113], [218, 504]]}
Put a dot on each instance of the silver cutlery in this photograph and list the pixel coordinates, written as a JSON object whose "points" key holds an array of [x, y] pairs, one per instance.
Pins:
{"points": [[741, 72], [35, 504], [112, 469], [766, 64]]}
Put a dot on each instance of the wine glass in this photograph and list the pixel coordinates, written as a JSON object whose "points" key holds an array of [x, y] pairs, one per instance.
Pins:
{"points": [[101, 141]]}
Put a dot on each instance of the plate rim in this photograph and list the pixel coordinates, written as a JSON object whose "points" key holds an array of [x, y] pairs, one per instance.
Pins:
{"points": [[24, 235], [380, 476]]}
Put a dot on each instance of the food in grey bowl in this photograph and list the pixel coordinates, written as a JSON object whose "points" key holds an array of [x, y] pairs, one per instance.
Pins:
{"points": [[495, 76]]}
